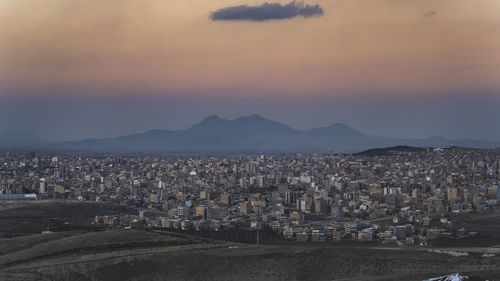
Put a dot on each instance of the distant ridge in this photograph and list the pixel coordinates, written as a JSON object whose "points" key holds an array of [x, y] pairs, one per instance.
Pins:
{"points": [[390, 150], [245, 134]]}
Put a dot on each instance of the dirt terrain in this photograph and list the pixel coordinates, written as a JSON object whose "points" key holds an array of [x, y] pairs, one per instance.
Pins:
{"points": [[18, 218], [151, 255], [487, 227], [145, 255]]}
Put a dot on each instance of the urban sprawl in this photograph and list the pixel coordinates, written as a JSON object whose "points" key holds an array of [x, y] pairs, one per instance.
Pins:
{"points": [[399, 197]]}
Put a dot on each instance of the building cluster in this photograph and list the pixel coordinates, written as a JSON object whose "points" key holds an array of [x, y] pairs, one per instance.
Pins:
{"points": [[405, 197]]}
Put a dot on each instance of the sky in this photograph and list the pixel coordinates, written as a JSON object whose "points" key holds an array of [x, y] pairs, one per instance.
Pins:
{"points": [[72, 69]]}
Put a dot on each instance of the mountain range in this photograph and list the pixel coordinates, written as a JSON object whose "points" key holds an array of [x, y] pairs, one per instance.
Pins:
{"points": [[246, 134]]}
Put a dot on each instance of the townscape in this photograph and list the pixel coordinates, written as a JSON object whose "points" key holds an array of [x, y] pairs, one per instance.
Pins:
{"points": [[400, 195], [281, 140]]}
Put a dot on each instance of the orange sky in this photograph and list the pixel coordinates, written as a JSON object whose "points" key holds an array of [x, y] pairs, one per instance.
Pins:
{"points": [[172, 47]]}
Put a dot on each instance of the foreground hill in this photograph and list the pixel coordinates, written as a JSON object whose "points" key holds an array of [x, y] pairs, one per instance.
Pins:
{"points": [[124, 255], [154, 255], [19, 218]]}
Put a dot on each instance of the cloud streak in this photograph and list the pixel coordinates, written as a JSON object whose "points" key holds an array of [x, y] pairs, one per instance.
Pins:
{"points": [[267, 11], [430, 14]]}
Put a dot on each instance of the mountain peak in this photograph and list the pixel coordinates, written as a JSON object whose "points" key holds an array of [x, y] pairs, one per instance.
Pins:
{"points": [[212, 122], [256, 116], [342, 127], [336, 130], [253, 117], [250, 133], [212, 118]]}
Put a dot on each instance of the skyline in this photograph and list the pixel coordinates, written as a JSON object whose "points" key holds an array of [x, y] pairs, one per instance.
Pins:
{"points": [[70, 70], [245, 134], [66, 119]]}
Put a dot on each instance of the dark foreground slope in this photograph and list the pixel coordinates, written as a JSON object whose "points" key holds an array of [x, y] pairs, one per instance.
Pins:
{"points": [[167, 257], [151, 255], [18, 218]]}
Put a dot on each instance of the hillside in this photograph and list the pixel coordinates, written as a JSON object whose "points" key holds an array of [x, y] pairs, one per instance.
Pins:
{"points": [[254, 133], [18, 218], [149, 256], [246, 134], [391, 150]]}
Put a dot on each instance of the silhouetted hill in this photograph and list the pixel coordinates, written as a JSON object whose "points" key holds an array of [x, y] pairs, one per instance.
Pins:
{"points": [[337, 130], [253, 134], [391, 150]]}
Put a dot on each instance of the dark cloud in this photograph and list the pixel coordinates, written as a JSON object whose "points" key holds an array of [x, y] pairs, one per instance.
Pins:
{"points": [[267, 11], [430, 14]]}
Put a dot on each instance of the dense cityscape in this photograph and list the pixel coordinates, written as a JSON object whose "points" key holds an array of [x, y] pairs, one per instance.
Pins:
{"points": [[402, 196], [280, 140]]}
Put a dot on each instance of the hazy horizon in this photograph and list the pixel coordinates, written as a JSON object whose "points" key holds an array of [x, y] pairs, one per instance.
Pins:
{"points": [[297, 122], [72, 70]]}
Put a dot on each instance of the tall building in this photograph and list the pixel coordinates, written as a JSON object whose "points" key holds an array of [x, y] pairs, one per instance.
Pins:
{"points": [[43, 188], [290, 197], [225, 198], [204, 194], [201, 211], [452, 193]]}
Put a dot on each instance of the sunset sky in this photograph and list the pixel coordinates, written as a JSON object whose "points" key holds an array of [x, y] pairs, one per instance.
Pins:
{"points": [[72, 69]]}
